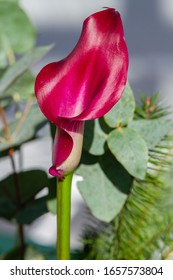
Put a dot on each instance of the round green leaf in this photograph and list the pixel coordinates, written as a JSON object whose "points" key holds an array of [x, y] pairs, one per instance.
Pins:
{"points": [[130, 150], [116, 173], [122, 113], [32, 211], [102, 197], [30, 183], [7, 208], [17, 32], [94, 138], [152, 131]]}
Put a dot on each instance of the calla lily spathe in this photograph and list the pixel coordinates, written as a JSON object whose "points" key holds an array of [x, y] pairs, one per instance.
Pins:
{"points": [[83, 86]]}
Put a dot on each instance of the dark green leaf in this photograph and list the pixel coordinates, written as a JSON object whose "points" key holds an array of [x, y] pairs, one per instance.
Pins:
{"points": [[51, 184], [116, 173], [122, 113], [51, 199], [32, 211], [87, 158], [130, 150], [94, 138], [102, 197], [7, 208], [13, 254], [152, 131], [31, 253], [29, 183]]}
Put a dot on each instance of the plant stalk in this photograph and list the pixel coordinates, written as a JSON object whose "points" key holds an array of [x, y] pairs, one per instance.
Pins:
{"points": [[18, 198], [5, 125], [64, 217]]}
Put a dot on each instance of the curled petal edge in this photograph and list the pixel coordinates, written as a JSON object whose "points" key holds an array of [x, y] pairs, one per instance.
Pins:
{"points": [[67, 147]]}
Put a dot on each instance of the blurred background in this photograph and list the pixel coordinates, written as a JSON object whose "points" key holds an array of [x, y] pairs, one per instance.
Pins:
{"points": [[148, 27]]}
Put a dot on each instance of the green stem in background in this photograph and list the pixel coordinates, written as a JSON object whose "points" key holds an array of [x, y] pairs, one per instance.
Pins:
{"points": [[5, 124], [64, 217], [18, 199]]}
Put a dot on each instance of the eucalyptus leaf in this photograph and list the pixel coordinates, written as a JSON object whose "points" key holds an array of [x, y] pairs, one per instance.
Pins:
{"points": [[87, 158], [7, 208], [29, 183], [94, 138], [102, 197], [116, 173], [23, 87], [21, 66], [130, 150], [17, 31], [29, 127], [122, 113], [32, 211], [152, 131]]}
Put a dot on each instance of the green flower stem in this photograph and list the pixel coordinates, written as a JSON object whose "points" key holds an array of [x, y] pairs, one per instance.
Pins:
{"points": [[64, 217]]}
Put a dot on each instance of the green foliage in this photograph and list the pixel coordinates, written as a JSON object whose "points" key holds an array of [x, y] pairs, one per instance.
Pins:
{"points": [[17, 32], [23, 129], [98, 190], [125, 165], [21, 88], [32, 211], [51, 200], [128, 141], [143, 229], [130, 150], [18, 196], [152, 131], [20, 200], [123, 112], [13, 1], [150, 108], [16, 70], [31, 253], [94, 138]]}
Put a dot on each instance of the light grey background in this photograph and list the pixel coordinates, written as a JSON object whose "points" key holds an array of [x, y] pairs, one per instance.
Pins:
{"points": [[148, 26]]}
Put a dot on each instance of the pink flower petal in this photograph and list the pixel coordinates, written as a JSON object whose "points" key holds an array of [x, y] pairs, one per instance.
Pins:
{"points": [[67, 147], [83, 86], [88, 82]]}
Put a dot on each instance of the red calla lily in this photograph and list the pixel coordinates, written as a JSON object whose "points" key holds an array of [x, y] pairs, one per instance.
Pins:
{"points": [[83, 86]]}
